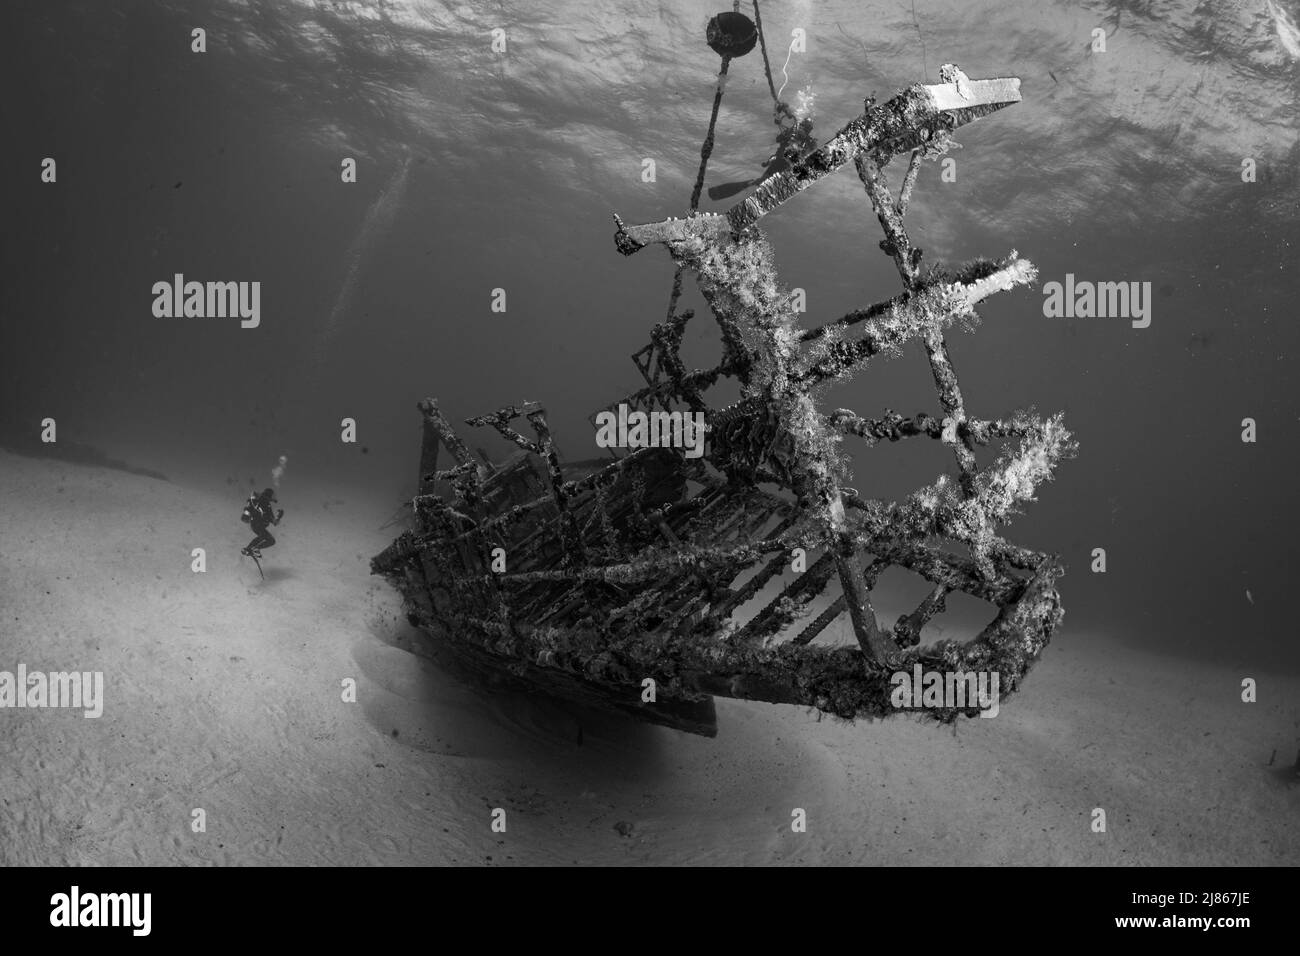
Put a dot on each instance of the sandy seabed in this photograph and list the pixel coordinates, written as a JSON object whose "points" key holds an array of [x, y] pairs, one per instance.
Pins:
{"points": [[223, 692]]}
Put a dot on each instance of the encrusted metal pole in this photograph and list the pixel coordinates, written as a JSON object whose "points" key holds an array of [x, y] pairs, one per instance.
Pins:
{"points": [[428, 456], [572, 536], [436, 422]]}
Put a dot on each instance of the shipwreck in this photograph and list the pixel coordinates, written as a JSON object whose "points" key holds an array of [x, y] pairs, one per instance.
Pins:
{"points": [[596, 580]]}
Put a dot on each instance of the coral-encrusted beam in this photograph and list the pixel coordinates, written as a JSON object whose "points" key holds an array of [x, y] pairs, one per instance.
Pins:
{"points": [[906, 122]]}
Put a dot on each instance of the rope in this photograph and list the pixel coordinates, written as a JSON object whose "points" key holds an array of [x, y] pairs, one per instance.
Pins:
{"points": [[762, 45], [707, 149]]}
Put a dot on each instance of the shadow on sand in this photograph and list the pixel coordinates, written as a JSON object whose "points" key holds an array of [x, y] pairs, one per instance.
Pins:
{"points": [[269, 575], [74, 452], [438, 704]]}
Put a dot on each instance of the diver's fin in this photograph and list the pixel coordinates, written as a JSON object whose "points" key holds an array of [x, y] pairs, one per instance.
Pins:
{"points": [[727, 190]]}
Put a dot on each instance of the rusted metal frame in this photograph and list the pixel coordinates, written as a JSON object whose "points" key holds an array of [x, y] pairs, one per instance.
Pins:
{"points": [[810, 458], [735, 354], [683, 558], [916, 311], [914, 118], [545, 448], [570, 599], [570, 535], [735, 598], [769, 317], [529, 548], [642, 600], [703, 506], [853, 318], [698, 524], [907, 121], [910, 318], [516, 513], [907, 632], [667, 339], [660, 356], [799, 593], [436, 421], [479, 545], [1022, 558], [896, 244], [706, 602], [541, 599], [946, 521], [723, 532], [680, 617], [820, 622], [453, 475], [876, 646], [500, 420], [894, 427], [945, 380], [598, 518], [468, 475], [1022, 627], [683, 601], [611, 472], [699, 379], [429, 445], [754, 523], [541, 594], [909, 181], [775, 502], [899, 247], [940, 567], [751, 587], [837, 607]]}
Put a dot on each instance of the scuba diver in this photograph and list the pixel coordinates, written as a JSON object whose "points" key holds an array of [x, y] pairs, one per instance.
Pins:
{"points": [[793, 139], [258, 515]]}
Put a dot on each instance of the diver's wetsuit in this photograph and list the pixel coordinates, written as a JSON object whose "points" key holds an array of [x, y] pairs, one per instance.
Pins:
{"points": [[260, 521], [264, 537]]}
